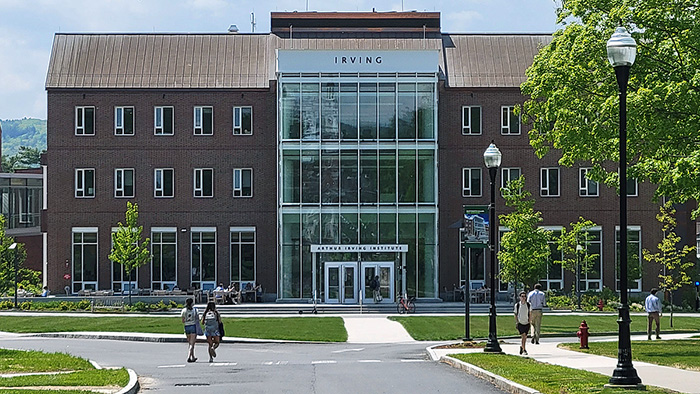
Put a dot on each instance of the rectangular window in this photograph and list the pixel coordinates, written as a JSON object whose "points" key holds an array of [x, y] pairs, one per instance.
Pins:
{"points": [[84, 182], [242, 120], [243, 182], [471, 182], [123, 120], [634, 258], [554, 280], [163, 121], [203, 253], [509, 174], [471, 120], [592, 279], [84, 120], [124, 182], [586, 187], [203, 120], [163, 258], [204, 182], [84, 258], [510, 122], [164, 185], [549, 182], [242, 254], [632, 190], [121, 281]]}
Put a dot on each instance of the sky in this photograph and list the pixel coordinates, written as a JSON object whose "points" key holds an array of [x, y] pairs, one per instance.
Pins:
{"points": [[27, 28]]}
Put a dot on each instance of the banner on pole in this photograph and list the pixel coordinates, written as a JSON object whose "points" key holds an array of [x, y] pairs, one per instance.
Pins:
{"points": [[475, 226]]}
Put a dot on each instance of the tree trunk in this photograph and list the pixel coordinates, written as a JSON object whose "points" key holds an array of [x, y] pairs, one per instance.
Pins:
{"points": [[129, 273], [671, 298]]}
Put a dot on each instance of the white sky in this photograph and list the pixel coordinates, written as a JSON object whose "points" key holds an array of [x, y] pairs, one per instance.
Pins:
{"points": [[27, 28]]}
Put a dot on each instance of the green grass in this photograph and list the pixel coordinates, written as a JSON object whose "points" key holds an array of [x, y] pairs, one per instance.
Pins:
{"points": [[325, 329], [547, 378], [95, 377], [684, 353], [446, 328], [25, 361]]}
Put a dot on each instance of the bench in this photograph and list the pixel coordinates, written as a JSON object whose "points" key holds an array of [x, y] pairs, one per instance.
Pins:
{"points": [[107, 303]]}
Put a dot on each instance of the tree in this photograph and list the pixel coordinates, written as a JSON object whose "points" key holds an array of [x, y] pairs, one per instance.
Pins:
{"points": [[573, 98], [676, 270], [27, 157], [127, 248], [28, 278], [573, 245], [524, 250]]}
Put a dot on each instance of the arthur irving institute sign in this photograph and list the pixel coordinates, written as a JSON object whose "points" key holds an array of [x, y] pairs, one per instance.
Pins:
{"points": [[310, 61], [358, 248]]}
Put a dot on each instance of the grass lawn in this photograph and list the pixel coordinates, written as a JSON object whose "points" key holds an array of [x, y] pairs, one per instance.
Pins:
{"points": [[547, 378], [324, 329], [683, 353], [447, 328]]}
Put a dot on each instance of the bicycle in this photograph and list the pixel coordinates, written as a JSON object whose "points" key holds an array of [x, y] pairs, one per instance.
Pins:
{"points": [[404, 305]]}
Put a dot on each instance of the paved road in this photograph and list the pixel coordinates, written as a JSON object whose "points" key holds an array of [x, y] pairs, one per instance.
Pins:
{"points": [[272, 367]]}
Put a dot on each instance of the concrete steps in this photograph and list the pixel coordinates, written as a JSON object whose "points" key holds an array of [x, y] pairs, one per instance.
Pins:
{"points": [[390, 308]]}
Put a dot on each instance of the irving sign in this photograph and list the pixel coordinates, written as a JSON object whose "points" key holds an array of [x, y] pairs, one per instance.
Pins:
{"points": [[334, 61], [358, 248]]}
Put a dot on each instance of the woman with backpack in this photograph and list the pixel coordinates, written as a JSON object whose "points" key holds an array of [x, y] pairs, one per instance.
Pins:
{"points": [[523, 316], [211, 320], [190, 318]]}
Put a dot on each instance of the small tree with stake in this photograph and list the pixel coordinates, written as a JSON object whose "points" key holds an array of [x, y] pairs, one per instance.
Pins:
{"points": [[127, 248], [573, 245], [675, 273]]}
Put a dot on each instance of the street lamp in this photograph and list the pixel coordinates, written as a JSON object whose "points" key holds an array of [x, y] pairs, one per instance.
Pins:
{"points": [[14, 261], [622, 49], [579, 249], [492, 159]]}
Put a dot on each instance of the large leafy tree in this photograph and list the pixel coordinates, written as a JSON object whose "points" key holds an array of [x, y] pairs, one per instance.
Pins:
{"points": [[573, 99], [676, 271], [127, 247], [28, 278], [524, 250]]}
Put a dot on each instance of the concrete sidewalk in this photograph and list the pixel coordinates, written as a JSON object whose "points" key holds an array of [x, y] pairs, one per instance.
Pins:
{"points": [[374, 329]]}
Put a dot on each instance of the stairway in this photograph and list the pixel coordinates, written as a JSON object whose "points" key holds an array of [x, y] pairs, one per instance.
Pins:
{"points": [[276, 308]]}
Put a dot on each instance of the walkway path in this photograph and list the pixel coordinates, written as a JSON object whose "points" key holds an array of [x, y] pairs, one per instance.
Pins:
{"points": [[374, 329]]}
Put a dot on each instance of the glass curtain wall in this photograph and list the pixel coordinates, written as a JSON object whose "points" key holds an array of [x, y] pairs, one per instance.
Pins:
{"points": [[357, 165]]}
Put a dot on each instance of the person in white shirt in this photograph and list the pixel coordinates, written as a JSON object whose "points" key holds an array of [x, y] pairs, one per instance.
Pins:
{"points": [[537, 301], [523, 316], [652, 305], [190, 319]]}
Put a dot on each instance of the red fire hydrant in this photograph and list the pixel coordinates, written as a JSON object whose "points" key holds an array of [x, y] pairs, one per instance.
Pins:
{"points": [[600, 305], [583, 334]]}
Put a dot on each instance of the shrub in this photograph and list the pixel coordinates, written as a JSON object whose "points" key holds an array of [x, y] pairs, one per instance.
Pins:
{"points": [[139, 306], [7, 304], [83, 305], [25, 306]]}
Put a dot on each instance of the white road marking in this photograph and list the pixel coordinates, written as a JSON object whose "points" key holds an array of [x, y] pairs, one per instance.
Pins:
{"points": [[215, 364], [172, 366], [369, 361], [324, 362], [348, 350], [284, 362], [413, 361]]}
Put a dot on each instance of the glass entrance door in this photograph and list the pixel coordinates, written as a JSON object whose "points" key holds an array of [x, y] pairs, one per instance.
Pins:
{"points": [[341, 283], [385, 271]]}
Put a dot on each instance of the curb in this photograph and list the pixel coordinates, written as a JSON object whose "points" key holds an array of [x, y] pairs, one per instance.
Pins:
{"points": [[133, 387], [496, 380]]}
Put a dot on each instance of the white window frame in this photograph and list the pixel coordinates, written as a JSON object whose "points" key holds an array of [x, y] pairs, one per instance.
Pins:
{"points": [[238, 244], [119, 191], [506, 175], [584, 183], [238, 189], [159, 128], [168, 284], [238, 120], [546, 280], [159, 192], [84, 285], [80, 120], [506, 127], [467, 123], [636, 187], [639, 257], [198, 182], [585, 282], [467, 189], [198, 120], [121, 284], [544, 181], [119, 126], [204, 285], [80, 178]]}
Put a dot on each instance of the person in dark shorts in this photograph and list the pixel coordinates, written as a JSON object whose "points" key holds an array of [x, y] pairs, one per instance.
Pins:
{"points": [[523, 316]]}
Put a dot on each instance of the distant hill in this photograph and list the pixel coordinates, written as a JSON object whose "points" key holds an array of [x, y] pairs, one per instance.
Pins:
{"points": [[27, 132]]}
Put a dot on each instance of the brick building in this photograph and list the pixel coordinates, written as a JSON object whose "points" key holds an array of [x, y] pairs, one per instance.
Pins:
{"points": [[337, 147]]}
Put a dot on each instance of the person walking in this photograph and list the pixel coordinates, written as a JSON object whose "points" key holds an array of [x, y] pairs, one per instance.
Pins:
{"points": [[190, 318], [652, 305], [376, 286], [537, 300], [523, 316], [211, 319]]}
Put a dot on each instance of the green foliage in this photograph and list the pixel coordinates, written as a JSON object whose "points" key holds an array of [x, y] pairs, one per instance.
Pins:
{"points": [[574, 246], [673, 353], [524, 250], [26, 277], [127, 248], [573, 94], [139, 306], [26, 132], [7, 304]]}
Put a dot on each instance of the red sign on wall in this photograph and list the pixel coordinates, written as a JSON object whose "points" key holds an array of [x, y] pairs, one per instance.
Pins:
{"points": [[66, 276]]}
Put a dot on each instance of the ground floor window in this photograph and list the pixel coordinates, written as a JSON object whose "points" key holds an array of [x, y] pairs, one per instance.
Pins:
{"points": [[554, 279], [477, 266], [84, 258], [203, 249], [242, 254], [634, 258], [593, 278], [163, 258]]}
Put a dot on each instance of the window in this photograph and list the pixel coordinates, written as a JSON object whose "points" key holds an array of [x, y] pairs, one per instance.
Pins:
{"points": [[510, 122], [242, 254], [84, 258], [554, 280], [123, 120], [586, 187], [84, 120], [163, 258], [549, 182], [121, 281], [124, 182], [203, 267], [84, 182], [204, 182], [593, 278], [634, 258], [632, 189], [242, 120], [203, 120], [471, 120], [242, 182], [471, 182], [163, 182], [163, 121], [509, 174]]}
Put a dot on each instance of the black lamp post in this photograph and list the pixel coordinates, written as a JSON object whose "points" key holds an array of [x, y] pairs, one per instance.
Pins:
{"points": [[14, 262], [492, 159], [622, 49]]}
